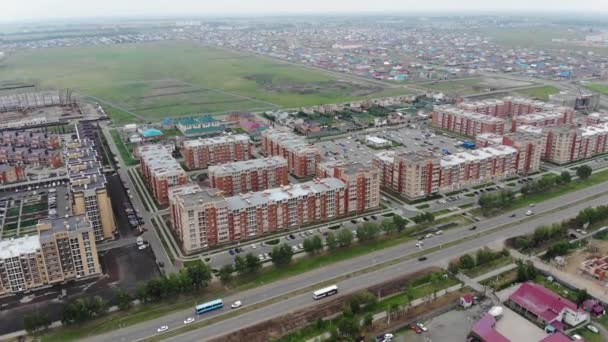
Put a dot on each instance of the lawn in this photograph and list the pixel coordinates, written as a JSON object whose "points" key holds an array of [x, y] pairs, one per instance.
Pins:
{"points": [[122, 148], [588, 335], [492, 265], [598, 87], [541, 93], [171, 78]]}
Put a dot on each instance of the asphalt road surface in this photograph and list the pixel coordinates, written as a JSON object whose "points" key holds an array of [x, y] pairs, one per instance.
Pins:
{"points": [[317, 276]]}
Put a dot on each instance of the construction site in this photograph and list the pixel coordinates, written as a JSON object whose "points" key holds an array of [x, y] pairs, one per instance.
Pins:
{"points": [[38, 108]]}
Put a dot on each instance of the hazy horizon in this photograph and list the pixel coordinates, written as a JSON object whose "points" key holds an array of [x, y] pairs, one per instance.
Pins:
{"points": [[38, 10]]}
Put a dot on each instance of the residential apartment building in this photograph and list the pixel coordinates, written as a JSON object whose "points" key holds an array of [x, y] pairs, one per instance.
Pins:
{"points": [[529, 148], [30, 139], [205, 125], [422, 173], [362, 184], [249, 175], [12, 174], [204, 218], [464, 122], [63, 250], [160, 171], [596, 118], [542, 119], [302, 157], [385, 162], [30, 156], [201, 153], [512, 107], [88, 186]]}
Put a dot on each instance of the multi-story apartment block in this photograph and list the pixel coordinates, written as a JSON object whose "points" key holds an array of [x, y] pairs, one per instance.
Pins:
{"points": [[419, 174], [491, 107], [63, 250], [88, 186], [362, 183], [204, 218], [302, 158], [201, 153], [160, 170], [542, 119], [11, 174], [30, 139], [529, 146], [596, 118], [464, 122], [249, 175]]}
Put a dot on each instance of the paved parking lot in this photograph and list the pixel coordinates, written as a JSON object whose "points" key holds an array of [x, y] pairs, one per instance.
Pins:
{"points": [[352, 149], [225, 257]]}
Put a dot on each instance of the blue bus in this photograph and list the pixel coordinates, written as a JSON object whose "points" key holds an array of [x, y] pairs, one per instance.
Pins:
{"points": [[209, 306]]}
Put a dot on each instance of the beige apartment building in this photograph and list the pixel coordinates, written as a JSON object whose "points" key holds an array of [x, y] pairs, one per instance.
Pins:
{"points": [[89, 188], [63, 250]]}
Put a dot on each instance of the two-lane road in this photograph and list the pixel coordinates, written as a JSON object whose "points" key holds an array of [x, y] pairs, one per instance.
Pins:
{"points": [[175, 320]]}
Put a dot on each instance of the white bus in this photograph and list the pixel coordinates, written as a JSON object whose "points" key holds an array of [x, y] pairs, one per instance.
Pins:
{"points": [[324, 292]]}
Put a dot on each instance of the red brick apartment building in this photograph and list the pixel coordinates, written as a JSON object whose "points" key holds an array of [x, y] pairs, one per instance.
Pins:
{"points": [[466, 123], [512, 107], [362, 184], [11, 174], [422, 173], [249, 175], [201, 153], [302, 158], [160, 170], [204, 218], [530, 148], [30, 139], [30, 156]]}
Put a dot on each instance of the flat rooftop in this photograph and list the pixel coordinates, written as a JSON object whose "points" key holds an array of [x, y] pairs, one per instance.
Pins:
{"points": [[284, 193], [64, 224], [247, 165], [160, 161], [468, 114], [224, 139], [517, 328], [10, 248], [477, 155], [593, 130]]}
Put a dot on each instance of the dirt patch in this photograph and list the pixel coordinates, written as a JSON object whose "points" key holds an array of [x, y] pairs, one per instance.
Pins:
{"points": [[574, 260], [275, 328], [269, 83]]}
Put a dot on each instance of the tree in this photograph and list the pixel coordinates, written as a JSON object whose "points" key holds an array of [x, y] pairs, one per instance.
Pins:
{"points": [[281, 255], [348, 327], [388, 226], [35, 322], [123, 299], [317, 243], [199, 274], [584, 171], [581, 296], [466, 262], [309, 246], [368, 320], [525, 271], [345, 237], [142, 292], [400, 223], [331, 240], [565, 177], [240, 265], [225, 274], [392, 310], [253, 263], [453, 267]]}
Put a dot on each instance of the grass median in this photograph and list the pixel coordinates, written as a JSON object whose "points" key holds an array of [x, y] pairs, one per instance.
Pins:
{"points": [[122, 148]]}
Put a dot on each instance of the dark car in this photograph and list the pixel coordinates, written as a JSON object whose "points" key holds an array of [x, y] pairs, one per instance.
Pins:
{"points": [[291, 236], [353, 221], [231, 252], [238, 250], [422, 258], [374, 217], [473, 228], [513, 215]]}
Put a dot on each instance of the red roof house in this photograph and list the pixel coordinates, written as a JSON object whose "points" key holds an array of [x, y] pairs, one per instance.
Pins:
{"points": [[484, 330], [538, 303], [466, 300]]}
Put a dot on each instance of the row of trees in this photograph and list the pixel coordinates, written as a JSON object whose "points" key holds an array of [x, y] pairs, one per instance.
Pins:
{"points": [[541, 236], [590, 215], [83, 309], [424, 217], [482, 257], [489, 201], [192, 277], [544, 184]]}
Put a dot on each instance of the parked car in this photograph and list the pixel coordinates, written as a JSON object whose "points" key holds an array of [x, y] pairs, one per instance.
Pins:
{"points": [[473, 228], [422, 258], [422, 327]]}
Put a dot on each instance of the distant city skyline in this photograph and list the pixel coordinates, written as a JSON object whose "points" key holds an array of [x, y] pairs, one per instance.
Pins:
{"points": [[14, 10]]}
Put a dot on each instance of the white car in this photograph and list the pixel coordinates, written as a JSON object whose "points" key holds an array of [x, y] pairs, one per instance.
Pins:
{"points": [[422, 327], [142, 247], [236, 304], [163, 328], [388, 336], [428, 236], [439, 232], [254, 246], [419, 244], [531, 205], [529, 213], [188, 320]]}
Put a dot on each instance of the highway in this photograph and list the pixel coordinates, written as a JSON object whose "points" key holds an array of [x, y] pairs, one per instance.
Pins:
{"points": [[566, 203]]}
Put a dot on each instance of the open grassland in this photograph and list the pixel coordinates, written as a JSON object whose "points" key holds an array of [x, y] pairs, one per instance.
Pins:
{"points": [[169, 79], [541, 93], [599, 87]]}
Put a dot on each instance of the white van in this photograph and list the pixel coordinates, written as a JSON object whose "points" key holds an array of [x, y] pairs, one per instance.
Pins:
{"points": [[593, 329], [140, 240]]}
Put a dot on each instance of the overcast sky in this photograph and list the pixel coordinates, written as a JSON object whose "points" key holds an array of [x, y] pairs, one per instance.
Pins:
{"points": [[11, 10]]}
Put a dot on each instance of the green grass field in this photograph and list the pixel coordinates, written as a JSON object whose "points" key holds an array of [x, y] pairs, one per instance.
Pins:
{"points": [[598, 87], [162, 79], [541, 93]]}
